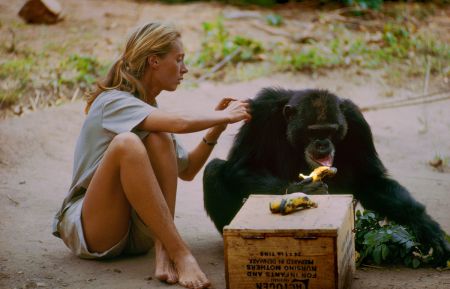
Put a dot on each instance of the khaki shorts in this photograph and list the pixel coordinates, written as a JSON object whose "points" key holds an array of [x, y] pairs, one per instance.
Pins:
{"points": [[138, 239]]}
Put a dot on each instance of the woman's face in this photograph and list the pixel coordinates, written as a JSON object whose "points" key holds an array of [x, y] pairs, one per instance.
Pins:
{"points": [[170, 68]]}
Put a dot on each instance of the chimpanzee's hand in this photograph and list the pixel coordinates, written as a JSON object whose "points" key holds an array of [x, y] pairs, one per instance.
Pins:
{"points": [[309, 188], [441, 251]]}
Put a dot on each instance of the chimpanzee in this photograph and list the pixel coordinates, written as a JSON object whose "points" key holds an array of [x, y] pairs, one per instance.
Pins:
{"points": [[295, 131]]}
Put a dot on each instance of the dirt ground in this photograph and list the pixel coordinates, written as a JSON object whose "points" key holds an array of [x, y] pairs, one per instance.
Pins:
{"points": [[36, 153]]}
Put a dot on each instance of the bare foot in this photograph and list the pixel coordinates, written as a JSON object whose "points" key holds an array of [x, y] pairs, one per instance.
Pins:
{"points": [[189, 273], [164, 270]]}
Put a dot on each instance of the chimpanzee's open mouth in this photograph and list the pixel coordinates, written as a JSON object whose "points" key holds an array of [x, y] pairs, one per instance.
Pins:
{"points": [[323, 161]]}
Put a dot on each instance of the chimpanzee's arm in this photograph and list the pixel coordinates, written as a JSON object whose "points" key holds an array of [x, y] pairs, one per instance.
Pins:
{"points": [[378, 192], [390, 199]]}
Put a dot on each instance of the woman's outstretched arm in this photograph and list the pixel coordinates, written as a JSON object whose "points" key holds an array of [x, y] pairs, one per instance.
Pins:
{"points": [[199, 155], [162, 121]]}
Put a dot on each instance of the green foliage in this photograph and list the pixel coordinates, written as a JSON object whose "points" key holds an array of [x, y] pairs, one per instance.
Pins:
{"points": [[26, 72], [364, 4], [274, 19], [386, 244], [305, 59], [17, 67], [14, 78], [398, 45], [79, 69], [263, 3], [218, 44]]}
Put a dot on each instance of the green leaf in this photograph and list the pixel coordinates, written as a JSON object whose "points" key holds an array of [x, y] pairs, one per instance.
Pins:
{"points": [[415, 263], [376, 255], [384, 252], [274, 19]]}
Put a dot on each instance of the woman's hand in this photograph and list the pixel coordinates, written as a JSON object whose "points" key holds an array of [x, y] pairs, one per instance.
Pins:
{"points": [[221, 106], [231, 110], [237, 110]]}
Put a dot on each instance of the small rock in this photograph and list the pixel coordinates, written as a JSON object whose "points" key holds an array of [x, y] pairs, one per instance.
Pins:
{"points": [[30, 285], [41, 11]]}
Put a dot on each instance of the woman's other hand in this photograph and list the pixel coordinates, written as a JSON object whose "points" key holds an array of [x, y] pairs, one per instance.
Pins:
{"points": [[237, 111]]}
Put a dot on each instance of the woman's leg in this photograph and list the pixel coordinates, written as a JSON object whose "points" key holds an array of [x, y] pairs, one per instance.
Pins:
{"points": [[125, 178], [161, 152]]}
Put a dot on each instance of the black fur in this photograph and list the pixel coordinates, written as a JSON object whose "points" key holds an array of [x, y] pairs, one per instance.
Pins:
{"points": [[269, 153]]}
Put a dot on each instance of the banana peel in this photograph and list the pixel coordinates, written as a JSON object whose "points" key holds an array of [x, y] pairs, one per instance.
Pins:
{"points": [[291, 202]]}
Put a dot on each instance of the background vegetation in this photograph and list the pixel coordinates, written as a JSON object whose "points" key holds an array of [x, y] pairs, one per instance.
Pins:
{"points": [[357, 35]]}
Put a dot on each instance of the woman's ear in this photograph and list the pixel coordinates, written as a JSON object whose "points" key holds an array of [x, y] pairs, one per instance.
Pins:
{"points": [[153, 61]]}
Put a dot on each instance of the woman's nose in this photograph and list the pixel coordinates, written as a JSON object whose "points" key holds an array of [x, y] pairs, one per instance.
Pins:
{"points": [[184, 69]]}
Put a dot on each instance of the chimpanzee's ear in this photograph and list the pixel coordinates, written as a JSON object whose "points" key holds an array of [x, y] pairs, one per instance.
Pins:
{"points": [[288, 112]]}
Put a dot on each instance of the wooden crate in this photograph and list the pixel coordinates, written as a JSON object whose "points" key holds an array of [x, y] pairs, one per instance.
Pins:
{"points": [[308, 249]]}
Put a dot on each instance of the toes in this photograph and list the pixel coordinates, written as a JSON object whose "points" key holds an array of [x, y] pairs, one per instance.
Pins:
{"points": [[161, 277], [186, 284], [172, 279], [206, 284], [200, 284]]}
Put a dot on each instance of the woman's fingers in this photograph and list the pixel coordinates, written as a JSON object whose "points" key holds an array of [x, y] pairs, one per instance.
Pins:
{"points": [[239, 110], [224, 103]]}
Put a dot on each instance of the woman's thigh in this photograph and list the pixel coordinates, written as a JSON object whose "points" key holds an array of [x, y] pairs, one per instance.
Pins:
{"points": [[106, 210]]}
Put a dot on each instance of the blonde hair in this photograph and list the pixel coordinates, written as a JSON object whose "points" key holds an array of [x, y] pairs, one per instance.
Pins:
{"points": [[125, 74]]}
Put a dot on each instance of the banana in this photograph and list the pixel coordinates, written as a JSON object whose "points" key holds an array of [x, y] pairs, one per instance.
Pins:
{"points": [[319, 173], [290, 202]]}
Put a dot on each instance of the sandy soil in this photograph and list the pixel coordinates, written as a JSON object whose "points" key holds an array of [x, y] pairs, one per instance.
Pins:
{"points": [[35, 169], [36, 158]]}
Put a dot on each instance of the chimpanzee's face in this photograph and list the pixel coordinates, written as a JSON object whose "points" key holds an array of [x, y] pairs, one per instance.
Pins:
{"points": [[315, 125]]}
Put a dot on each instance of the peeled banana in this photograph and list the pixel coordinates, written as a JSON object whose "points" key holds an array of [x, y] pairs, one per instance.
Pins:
{"points": [[290, 202], [319, 173]]}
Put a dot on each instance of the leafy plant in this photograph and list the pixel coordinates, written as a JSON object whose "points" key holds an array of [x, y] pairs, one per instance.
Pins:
{"points": [[14, 78], [386, 243], [79, 69], [364, 4], [274, 19], [218, 44]]}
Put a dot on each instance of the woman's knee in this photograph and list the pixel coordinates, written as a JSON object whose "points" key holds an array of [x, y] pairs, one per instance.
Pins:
{"points": [[159, 141], [128, 142]]}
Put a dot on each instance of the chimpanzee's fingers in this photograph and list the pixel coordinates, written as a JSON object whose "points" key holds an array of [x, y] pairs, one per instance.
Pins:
{"points": [[315, 188]]}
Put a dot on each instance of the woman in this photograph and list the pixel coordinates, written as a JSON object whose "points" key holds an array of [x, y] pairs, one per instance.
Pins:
{"points": [[126, 164]]}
